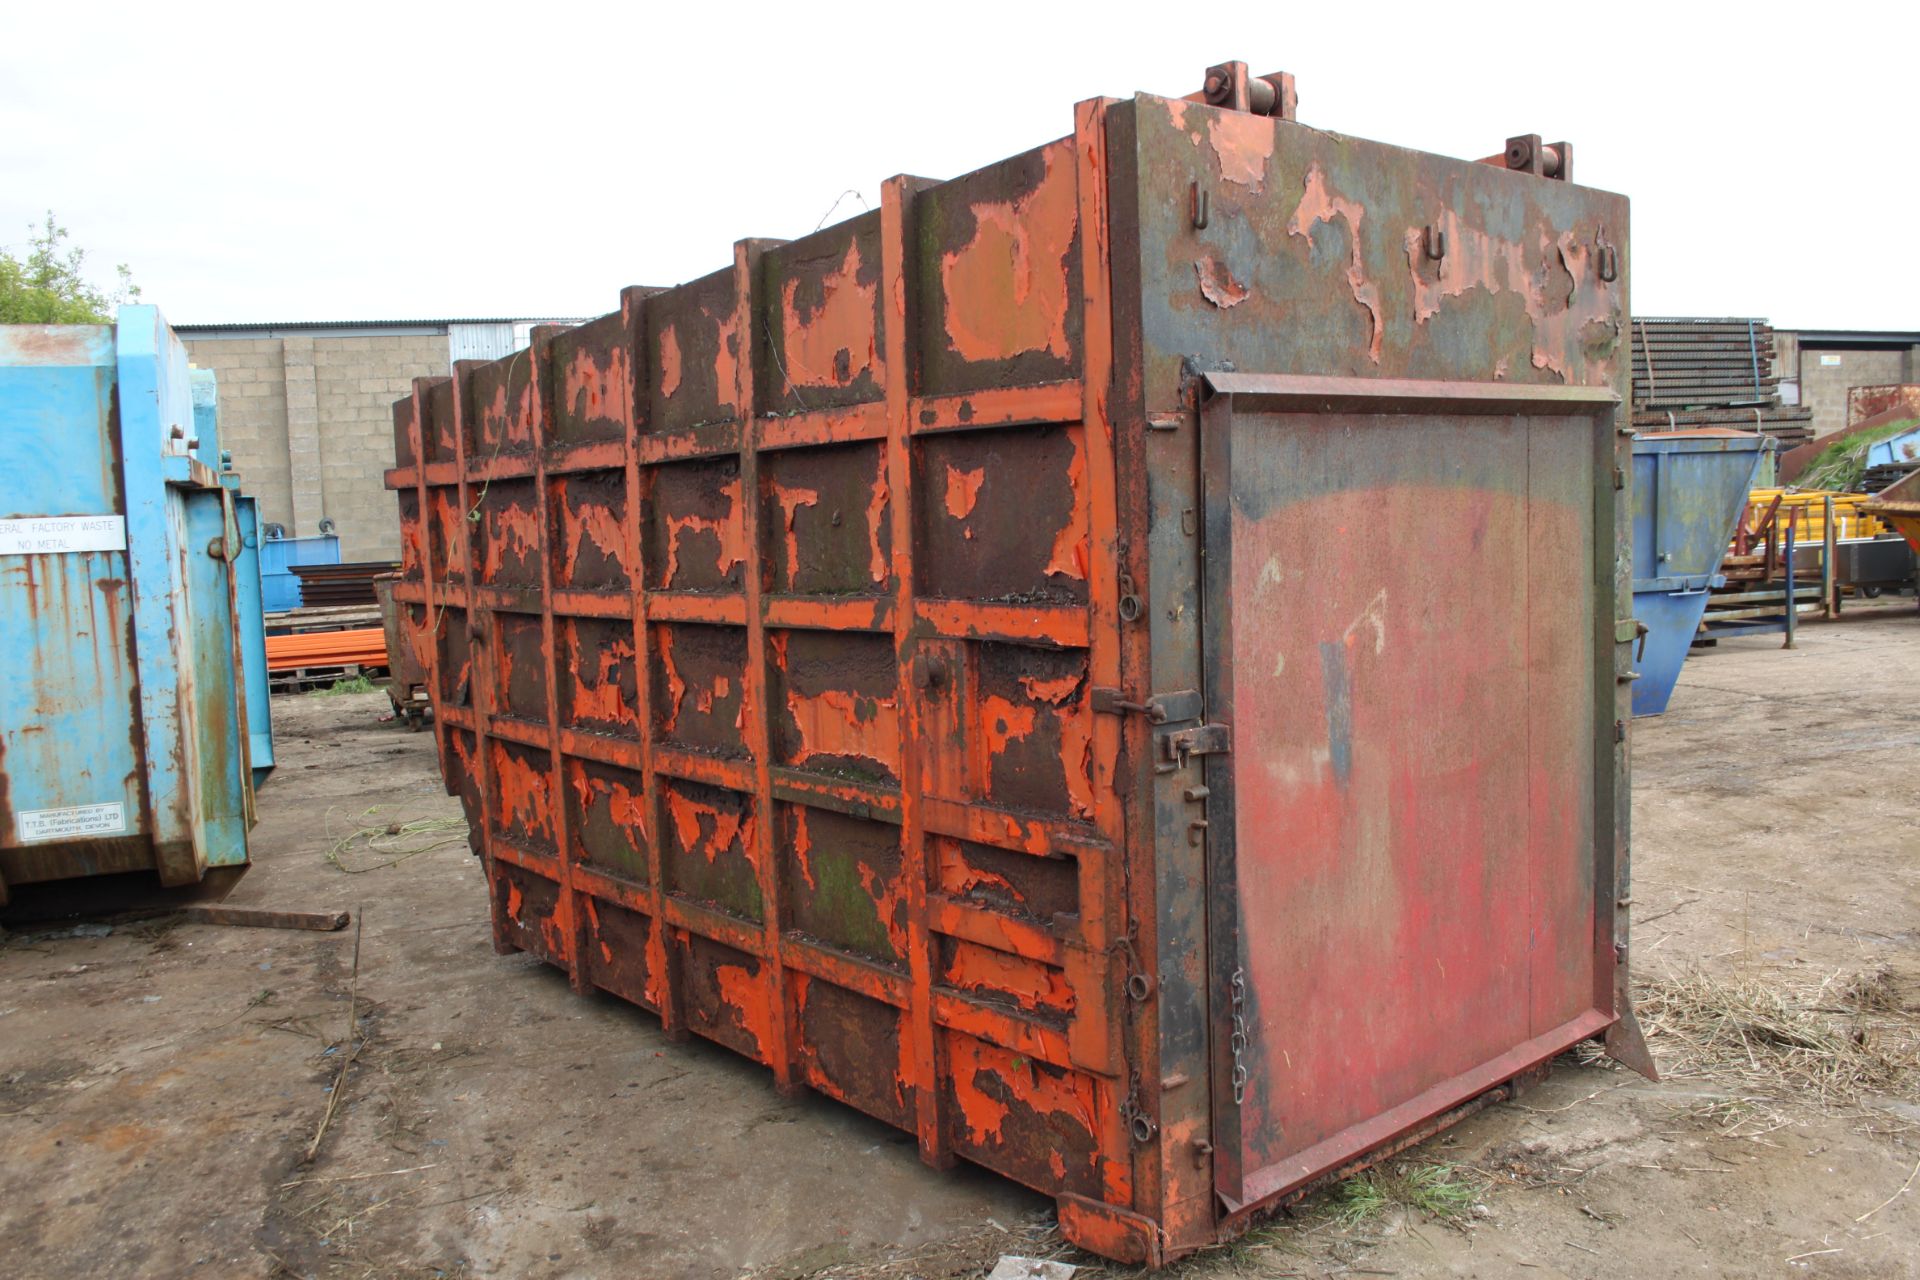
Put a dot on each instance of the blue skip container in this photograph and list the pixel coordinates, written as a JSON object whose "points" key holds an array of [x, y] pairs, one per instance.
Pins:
{"points": [[1688, 491], [133, 683]]}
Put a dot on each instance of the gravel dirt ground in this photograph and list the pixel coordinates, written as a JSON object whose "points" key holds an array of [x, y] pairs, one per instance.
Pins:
{"points": [[160, 1082]]}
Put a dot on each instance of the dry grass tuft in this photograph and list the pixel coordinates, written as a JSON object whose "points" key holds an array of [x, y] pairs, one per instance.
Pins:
{"points": [[1847, 1040]]}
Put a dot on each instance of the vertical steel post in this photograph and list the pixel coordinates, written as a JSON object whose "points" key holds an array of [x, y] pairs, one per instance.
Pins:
{"points": [[1793, 601]]}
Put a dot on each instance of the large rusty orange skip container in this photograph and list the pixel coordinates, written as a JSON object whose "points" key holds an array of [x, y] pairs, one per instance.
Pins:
{"points": [[1115, 663]]}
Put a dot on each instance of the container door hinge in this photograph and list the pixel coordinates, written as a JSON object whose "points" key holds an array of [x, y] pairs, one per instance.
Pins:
{"points": [[1159, 708], [1176, 745]]}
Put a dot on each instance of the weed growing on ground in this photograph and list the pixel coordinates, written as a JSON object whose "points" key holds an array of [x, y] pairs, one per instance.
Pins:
{"points": [[1442, 1191], [358, 684]]}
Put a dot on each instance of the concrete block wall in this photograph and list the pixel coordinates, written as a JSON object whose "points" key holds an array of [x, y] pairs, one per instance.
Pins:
{"points": [[253, 417], [1824, 383], [309, 421], [356, 381]]}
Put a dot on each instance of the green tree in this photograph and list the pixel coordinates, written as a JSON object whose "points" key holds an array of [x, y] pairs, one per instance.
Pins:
{"points": [[47, 287]]}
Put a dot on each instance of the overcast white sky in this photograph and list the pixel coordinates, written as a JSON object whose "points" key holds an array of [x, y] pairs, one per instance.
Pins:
{"points": [[348, 161]]}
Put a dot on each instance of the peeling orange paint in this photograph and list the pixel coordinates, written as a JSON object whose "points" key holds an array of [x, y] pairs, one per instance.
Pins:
{"points": [[958, 877], [876, 514], [1069, 556], [803, 847], [1033, 986], [590, 390], [1054, 691], [838, 723], [888, 900], [728, 828], [963, 490], [1069, 1094], [1475, 259], [1006, 289], [1243, 143], [522, 791], [791, 500], [627, 810], [728, 530], [1004, 722], [676, 687], [595, 523], [726, 361], [1076, 756], [835, 344], [509, 422], [514, 901], [704, 700], [1217, 284], [669, 361], [1319, 204], [510, 528], [746, 995]]}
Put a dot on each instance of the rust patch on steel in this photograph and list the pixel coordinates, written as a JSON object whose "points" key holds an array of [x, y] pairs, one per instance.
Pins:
{"points": [[1034, 1116], [700, 536], [1007, 881], [509, 535], [590, 511], [599, 683], [849, 892], [853, 1049], [1320, 203], [1024, 537], [829, 505], [708, 845], [607, 818], [1217, 284], [522, 666], [1570, 308]]}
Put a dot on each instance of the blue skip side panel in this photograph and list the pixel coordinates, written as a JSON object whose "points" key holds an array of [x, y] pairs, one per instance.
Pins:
{"points": [[280, 587], [67, 686], [1688, 490], [133, 636]]}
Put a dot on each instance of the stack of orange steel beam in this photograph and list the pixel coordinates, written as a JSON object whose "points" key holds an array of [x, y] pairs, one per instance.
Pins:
{"points": [[362, 646]]}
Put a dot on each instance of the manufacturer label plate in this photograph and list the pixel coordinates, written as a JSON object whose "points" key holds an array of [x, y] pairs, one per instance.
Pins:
{"points": [[72, 824]]}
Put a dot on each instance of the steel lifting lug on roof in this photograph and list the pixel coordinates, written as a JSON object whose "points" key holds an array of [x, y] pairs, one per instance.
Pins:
{"points": [[1228, 85], [1527, 154]]}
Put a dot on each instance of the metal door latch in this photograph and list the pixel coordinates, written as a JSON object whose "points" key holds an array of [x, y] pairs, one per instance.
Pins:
{"points": [[1176, 745], [1160, 708]]}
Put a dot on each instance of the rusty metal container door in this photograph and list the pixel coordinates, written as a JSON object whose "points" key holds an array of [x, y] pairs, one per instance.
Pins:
{"points": [[1401, 638]]}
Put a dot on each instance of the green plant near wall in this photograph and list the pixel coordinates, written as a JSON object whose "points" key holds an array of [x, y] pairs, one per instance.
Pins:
{"points": [[48, 285], [1841, 465]]}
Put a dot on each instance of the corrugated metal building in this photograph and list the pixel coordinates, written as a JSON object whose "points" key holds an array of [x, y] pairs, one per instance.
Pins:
{"points": [[306, 409]]}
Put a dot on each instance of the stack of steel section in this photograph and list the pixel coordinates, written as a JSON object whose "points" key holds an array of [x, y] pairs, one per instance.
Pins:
{"points": [[1711, 372], [1115, 663]]}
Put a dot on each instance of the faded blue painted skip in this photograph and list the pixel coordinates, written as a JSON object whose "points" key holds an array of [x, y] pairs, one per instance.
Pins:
{"points": [[1688, 490], [133, 709]]}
